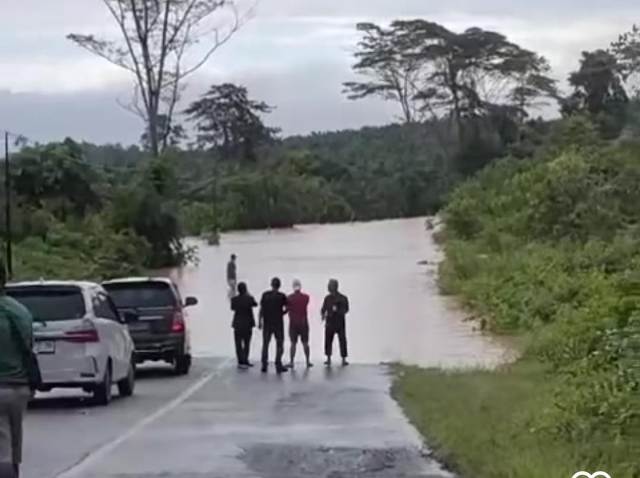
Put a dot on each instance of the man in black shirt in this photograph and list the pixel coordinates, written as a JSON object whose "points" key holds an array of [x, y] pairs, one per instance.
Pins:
{"points": [[273, 308], [334, 311], [243, 324]]}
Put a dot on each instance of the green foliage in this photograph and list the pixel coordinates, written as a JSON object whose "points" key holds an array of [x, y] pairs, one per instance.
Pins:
{"points": [[599, 91], [372, 173], [57, 178], [149, 207], [433, 72], [92, 251], [228, 120], [77, 219], [552, 246], [487, 424]]}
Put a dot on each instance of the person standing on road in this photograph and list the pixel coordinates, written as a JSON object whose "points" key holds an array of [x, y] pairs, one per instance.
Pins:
{"points": [[273, 307], [16, 344], [243, 324], [297, 306], [334, 311], [232, 276]]}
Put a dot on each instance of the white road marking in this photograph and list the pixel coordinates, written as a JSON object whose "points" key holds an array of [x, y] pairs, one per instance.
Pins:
{"points": [[81, 468]]}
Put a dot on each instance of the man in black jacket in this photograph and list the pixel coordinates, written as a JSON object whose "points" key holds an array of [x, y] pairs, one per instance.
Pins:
{"points": [[243, 324], [334, 311], [273, 308]]}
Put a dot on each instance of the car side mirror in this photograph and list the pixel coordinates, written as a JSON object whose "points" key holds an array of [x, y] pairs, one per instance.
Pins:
{"points": [[130, 317], [190, 302]]}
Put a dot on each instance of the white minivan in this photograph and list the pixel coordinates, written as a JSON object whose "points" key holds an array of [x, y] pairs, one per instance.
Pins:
{"points": [[81, 339]]}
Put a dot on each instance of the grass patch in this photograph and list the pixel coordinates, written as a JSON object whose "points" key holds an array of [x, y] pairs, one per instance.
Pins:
{"points": [[482, 424]]}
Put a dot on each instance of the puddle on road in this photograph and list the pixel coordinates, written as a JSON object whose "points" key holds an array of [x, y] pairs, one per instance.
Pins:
{"points": [[295, 462], [388, 270]]}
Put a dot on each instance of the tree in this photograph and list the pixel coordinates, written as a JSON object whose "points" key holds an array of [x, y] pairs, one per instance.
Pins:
{"points": [[599, 91], [159, 46], [56, 177], [468, 73], [148, 206], [228, 120], [627, 52], [434, 72], [391, 75], [173, 134]]}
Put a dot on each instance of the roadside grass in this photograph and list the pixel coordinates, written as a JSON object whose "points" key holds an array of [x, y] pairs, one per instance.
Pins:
{"points": [[479, 423]]}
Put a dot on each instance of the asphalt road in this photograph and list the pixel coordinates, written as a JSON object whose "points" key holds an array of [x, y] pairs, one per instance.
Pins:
{"points": [[219, 423]]}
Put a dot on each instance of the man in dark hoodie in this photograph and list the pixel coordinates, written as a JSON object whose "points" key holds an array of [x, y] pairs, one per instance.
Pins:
{"points": [[16, 342], [334, 311]]}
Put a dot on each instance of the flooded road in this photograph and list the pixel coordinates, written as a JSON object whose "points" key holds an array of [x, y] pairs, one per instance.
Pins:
{"points": [[397, 313], [220, 422]]}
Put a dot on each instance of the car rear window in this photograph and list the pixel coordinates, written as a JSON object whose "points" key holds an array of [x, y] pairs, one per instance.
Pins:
{"points": [[51, 303], [141, 295]]}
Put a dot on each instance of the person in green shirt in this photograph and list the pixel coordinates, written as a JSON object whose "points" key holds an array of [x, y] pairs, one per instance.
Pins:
{"points": [[16, 338]]}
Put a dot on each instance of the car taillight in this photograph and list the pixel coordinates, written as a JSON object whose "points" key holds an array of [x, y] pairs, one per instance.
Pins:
{"points": [[82, 336], [177, 325]]}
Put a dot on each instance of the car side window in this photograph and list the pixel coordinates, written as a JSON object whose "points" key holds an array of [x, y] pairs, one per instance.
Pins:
{"points": [[112, 306], [104, 308]]}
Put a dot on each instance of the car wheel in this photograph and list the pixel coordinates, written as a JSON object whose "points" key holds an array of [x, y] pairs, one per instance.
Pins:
{"points": [[182, 364], [102, 392], [127, 385]]}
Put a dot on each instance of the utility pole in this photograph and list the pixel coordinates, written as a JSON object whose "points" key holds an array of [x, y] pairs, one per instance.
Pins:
{"points": [[7, 194]]}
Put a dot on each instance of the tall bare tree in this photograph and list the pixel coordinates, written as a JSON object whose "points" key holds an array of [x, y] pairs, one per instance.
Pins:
{"points": [[161, 43], [386, 72]]}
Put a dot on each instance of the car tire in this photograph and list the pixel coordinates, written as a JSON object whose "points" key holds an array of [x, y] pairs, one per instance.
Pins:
{"points": [[127, 385], [182, 364], [102, 392]]}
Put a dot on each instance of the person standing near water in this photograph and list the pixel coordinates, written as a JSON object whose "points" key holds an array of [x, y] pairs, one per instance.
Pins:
{"points": [[243, 324], [297, 306], [16, 343], [334, 311], [273, 307], [232, 276]]}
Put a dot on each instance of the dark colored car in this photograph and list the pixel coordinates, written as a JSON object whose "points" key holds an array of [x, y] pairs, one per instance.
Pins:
{"points": [[161, 332]]}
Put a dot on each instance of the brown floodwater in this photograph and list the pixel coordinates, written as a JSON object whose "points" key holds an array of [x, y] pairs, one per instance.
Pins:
{"points": [[397, 313]]}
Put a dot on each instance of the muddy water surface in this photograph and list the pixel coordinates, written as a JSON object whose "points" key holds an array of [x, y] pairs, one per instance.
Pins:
{"points": [[397, 313]]}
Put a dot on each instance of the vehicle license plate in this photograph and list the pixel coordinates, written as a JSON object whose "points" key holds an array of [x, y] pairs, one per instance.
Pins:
{"points": [[46, 347]]}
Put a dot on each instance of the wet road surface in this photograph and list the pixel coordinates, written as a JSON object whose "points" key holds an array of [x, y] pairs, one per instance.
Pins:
{"points": [[220, 422]]}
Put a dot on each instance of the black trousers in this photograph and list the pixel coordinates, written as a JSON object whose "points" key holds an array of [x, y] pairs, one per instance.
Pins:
{"points": [[243, 344], [333, 328], [276, 331]]}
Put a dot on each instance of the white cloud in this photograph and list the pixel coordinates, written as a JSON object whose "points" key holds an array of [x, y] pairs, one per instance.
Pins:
{"points": [[293, 53], [57, 75]]}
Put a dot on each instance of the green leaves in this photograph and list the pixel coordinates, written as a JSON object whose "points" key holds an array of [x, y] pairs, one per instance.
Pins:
{"points": [[551, 246], [433, 72], [229, 121]]}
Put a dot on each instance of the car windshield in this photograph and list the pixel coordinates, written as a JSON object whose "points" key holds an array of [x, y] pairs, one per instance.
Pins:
{"points": [[51, 303], [141, 295]]}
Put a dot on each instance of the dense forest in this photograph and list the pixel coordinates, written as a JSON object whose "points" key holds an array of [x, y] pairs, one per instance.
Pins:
{"points": [[544, 245]]}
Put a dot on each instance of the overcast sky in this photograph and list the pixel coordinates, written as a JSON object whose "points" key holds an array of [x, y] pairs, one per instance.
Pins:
{"points": [[294, 54]]}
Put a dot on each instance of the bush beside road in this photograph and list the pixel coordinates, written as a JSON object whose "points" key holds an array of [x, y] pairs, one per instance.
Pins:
{"points": [[548, 249]]}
